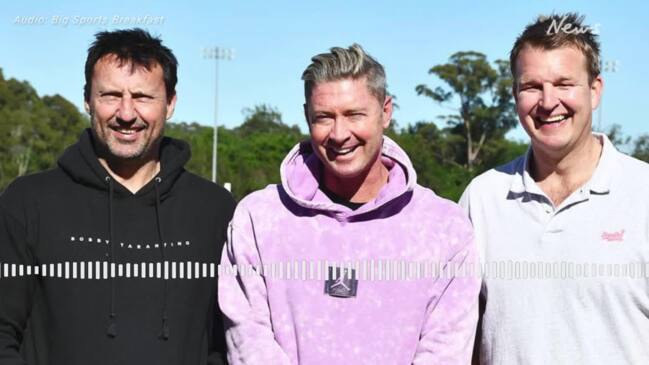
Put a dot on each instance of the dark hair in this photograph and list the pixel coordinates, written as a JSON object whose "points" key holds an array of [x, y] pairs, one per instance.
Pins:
{"points": [[556, 31], [136, 46]]}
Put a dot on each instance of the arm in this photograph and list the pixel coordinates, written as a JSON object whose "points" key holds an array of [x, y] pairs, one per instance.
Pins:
{"points": [[15, 292], [243, 299], [464, 202], [448, 332]]}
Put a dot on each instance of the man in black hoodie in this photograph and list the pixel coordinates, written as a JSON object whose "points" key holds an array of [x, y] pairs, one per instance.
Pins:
{"points": [[110, 258]]}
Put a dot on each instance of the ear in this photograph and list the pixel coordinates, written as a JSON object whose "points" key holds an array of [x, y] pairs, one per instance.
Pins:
{"points": [[387, 112], [86, 106], [596, 89], [171, 106]]}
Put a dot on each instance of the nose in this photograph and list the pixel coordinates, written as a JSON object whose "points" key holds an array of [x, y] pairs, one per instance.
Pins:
{"points": [[339, 132], [549, 98], [126, 110]]}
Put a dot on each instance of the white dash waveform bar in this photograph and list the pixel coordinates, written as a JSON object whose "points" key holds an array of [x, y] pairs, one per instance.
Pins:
{"points": [[102, 270]]}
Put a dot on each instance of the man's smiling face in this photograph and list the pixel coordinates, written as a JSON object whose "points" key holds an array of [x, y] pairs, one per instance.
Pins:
{"points": [[346, 122], [554, 97], [128, 105]]}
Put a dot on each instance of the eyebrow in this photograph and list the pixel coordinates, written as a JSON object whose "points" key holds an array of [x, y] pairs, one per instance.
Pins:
{"points": [[534, 81], [136, 94], [322, 112], [564, 79], [139, 94], [352, 111]]}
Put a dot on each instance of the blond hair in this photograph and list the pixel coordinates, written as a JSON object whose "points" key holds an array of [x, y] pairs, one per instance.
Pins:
{"points": [[343, 63]]}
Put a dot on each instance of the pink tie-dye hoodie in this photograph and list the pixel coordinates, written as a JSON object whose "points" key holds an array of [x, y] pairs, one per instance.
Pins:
{"points": [[283, 315]]}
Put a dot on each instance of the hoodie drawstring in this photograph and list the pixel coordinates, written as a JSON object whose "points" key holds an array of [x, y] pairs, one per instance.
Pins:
{"points": [[164, 334], [111, 330]]}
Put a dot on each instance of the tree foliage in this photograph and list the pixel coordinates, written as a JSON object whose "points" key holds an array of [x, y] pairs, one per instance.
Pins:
{"points": [[641, 148], [485, 110], [248, 156], [34, 130]]}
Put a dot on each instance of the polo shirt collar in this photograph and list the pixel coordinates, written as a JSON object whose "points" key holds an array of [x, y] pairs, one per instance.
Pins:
{"points": [[523, 181], [599, 183]]}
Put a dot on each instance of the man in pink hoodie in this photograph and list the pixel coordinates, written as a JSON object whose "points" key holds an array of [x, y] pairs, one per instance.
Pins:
{"points": [[348, 260]]}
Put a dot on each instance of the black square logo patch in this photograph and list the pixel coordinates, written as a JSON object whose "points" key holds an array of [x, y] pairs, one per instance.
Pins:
{"points": [[341, 282]]}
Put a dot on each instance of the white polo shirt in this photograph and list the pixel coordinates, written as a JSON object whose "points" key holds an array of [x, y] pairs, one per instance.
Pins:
{"points": [[565, 284]]}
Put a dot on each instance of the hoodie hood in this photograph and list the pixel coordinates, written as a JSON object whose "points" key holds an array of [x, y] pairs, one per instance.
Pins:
{"points": [[301, 173], [81, 163]]}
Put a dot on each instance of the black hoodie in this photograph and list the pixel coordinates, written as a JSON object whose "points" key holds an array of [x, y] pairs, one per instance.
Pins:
{"points": [[75, 219]]}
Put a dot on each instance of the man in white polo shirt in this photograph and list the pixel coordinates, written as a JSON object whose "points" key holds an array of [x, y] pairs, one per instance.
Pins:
{"points": [[563, 231]]}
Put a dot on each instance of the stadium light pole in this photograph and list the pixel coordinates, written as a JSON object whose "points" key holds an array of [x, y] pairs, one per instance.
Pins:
{"points": [[216, 53]]}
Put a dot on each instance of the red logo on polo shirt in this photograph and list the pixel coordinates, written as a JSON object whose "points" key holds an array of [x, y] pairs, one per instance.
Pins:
{"points": [[613, 236]]}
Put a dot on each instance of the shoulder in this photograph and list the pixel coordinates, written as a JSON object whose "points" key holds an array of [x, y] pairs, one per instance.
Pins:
{"points": [[263, 199], [427, 199], [201, 186], [34, 184], [495, 182], [22, 194], [445, 214], [632, 174], [258, 206], [633, 166], [499, 177], [204, 192]]}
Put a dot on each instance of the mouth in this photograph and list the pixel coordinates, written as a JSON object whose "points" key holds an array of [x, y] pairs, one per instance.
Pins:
{"points": [[553, 120], [341, 151], [127, 132]]}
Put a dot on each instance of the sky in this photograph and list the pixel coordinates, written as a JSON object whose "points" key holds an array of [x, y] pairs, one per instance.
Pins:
{"points": [[45, 43]]}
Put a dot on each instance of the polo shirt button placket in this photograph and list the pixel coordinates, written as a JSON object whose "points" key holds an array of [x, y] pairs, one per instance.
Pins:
{"points": [[548, 217], [548, 208]]}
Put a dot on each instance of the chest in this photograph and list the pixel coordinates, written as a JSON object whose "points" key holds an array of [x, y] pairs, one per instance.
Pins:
{"points": [[81, 232]]}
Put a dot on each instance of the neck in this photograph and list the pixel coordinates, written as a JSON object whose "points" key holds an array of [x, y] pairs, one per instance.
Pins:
{"points": [[359, 189], [558, 175], [133, 175]]}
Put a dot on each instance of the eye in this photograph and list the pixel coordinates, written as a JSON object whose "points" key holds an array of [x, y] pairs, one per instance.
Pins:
{"points": [[322, 119], [142, 97], [530, 88], [355, 115], [110, 97]]}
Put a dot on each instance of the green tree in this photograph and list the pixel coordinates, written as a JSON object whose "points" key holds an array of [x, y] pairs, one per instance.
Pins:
{"points": [[249, 156], [264, 118], [641, 148], [34, 130], [617, 137], [433, 159], [486, 108], [199, 138]]}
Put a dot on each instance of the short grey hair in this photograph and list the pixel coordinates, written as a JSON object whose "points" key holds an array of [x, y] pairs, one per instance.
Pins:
{"points": [[343, 63]]}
